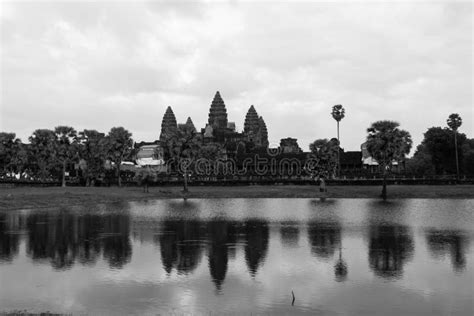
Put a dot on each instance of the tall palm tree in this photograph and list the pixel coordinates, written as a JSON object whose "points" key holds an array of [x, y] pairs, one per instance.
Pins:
{"points": [[338, 114], [454, 122]]}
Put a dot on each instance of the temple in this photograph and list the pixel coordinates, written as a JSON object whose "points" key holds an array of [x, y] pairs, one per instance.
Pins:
{"points": [[218, 130], [245, 145]]}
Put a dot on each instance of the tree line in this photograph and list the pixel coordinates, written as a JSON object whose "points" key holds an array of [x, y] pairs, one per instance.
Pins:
{"points": [[51, 153]]}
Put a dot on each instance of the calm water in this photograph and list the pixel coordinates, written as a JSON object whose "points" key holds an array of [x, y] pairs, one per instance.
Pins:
{"points": [[241, 256]]}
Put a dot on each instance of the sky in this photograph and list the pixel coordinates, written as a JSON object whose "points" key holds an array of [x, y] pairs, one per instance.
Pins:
{"points": [[96, 65]]}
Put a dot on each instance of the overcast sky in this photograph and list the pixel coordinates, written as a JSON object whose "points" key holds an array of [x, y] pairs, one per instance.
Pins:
{"points": [[96, 65]]}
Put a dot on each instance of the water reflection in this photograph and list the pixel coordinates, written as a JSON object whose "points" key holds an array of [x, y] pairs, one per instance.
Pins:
{"points": [[9, 236], [451, 242], [115, 239], [239, 256], [222, 237], [390, 247], [390, 240], [340, 268], [289, 234], [256, 234], [180, 244], [66, 237], [324, 238]]}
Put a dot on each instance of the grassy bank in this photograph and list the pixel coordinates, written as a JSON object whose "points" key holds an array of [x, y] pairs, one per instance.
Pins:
{"points": [[33, 197]]}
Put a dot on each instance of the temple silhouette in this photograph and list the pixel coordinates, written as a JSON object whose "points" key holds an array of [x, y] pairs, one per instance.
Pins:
{"points": [[220, 130], [242, 148]]}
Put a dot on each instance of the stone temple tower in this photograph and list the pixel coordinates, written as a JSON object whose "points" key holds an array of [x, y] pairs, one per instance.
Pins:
{"points": [[255, 129], [190, 124], [168, 125], [218, 113], [263, 132]]}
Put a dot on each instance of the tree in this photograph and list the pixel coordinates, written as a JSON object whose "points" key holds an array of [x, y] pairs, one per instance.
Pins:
{"points": [[119, 146], [9, 147], [338, 114], [182, 145], [421, 162], [386, 143], [438, 144], [93, 153], [454, 121], [468, 153], [21, 159], [43, 151], [144, 177], [326, 154], [210, 153], [66, 148]]}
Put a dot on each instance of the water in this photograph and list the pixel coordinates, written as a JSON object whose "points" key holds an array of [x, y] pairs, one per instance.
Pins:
{"points": [[241, 256]]}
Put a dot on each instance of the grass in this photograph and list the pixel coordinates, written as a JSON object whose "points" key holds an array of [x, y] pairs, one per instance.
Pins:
{"points": [[34, 197]]}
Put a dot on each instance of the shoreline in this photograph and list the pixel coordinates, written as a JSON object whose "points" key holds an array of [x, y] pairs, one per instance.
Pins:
{"points": [[49, 197]]}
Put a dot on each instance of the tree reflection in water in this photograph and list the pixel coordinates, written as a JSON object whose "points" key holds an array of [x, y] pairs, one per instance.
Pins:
{"points": [[324, 237], [390, 242], [390, 247], [340, 268], [180, 244], [452, 242], [116, 239], [66, 237], [9, 235], [289, 234]]}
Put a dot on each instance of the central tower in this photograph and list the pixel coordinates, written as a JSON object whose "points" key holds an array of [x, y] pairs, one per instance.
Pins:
{"points": [[218, 113]]}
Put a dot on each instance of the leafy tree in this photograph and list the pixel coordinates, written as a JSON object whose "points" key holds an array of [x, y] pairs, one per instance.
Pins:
{"points": [[454, 121], [421, 162], [66, 148], [468, 153], [21, 158], [210, 153], [145, 176], [326, 154], [9, 146], [119, 144], [43, 151], [338, 114], [439, 145], [93, 153], [182, 145], [387, 143]]}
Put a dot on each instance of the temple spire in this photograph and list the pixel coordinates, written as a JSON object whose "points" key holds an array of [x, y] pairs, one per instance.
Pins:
{"points": [[190, 124], [168, 124], [218, 112], [255, 128], [263, 132], [251, 123]]}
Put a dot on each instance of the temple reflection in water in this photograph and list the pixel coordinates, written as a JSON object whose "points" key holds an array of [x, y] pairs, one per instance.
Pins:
{"points": [[64, 238]]}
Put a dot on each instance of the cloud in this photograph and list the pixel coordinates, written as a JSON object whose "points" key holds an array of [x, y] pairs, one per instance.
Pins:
{"points": [[102, 64]]}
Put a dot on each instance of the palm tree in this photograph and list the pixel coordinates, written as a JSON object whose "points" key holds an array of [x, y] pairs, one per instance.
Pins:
{"points": [[338, 114], [387, 143], [454, 122], [66, 148]]}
